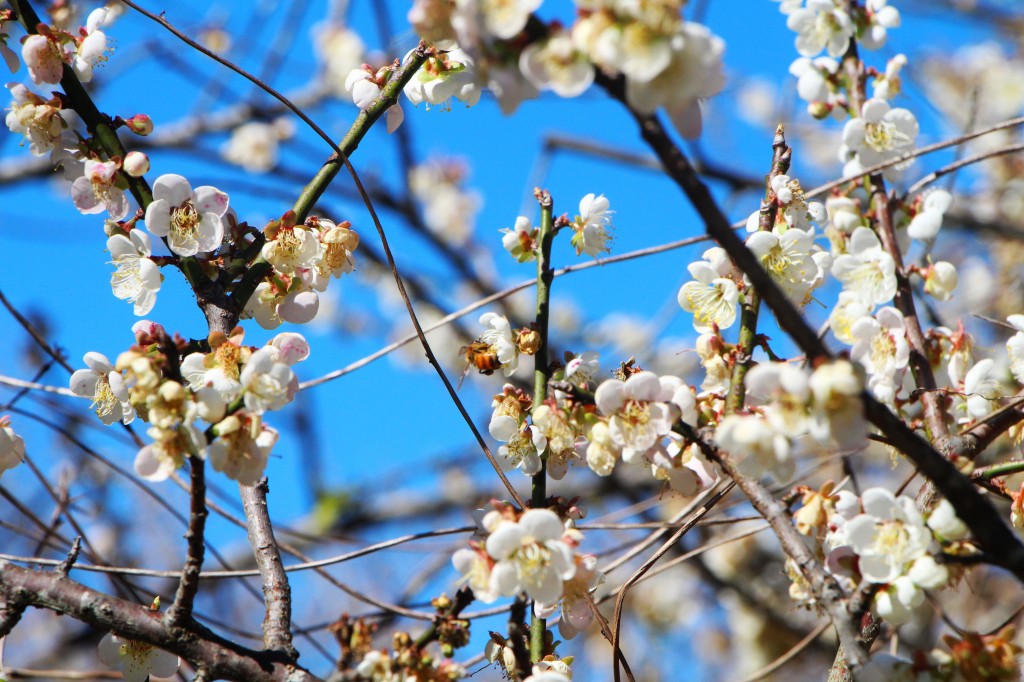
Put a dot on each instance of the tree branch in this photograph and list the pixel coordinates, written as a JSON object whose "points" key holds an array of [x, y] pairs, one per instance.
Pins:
{"points": [[277, 592], [22, 586]]}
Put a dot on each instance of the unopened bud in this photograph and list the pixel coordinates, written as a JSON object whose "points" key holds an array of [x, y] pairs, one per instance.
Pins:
{"points": [[819, 110], [136, 164], [140, 124]]}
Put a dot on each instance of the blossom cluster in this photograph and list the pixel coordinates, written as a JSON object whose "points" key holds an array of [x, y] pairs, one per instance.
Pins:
{"points": [[229, 388], [531, 551], [665, 62], [794, 411], [304, 259], [884, 541], [786, 250]]}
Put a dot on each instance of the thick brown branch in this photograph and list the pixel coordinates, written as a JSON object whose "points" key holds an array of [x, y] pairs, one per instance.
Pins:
{"points": [[223, 659]]}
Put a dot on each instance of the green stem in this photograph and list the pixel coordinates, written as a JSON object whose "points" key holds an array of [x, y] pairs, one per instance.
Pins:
{"points": [[545, 275], [312, 192], [1014, 466], [747, 341]]}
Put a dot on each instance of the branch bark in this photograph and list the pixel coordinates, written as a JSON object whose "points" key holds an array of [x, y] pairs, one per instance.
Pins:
{"points": [[221, 658], [277, 593]]}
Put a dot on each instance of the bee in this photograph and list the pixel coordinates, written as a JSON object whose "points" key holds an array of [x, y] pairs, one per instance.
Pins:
{"points": [[480, 355]]}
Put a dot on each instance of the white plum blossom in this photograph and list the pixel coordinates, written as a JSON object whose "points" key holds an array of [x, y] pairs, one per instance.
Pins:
{"points": [[821, 25], [92, 46], [364, 86], [881, 16], [792, 259], [432, 21], [694, 72], [340, 49], [523, 444], [37, 119], [449, 210], [980, 389], [43, 58], [169, 449], [500, 18], [106, 387], [547, 670], [940, 280], [137, 278], [602, 452], [135, 164], [254, 145], [521, 240], [12, 446], [475, 567], [867, 269], [848, 309], [756, 446], [843, 214], [291, 248], [266, 383], [945, 524], [95, 191], [271, 305], [443, 77], [267, 379], [593, 226], [576, 614], [892, 544], [783, 391], [136, 660], [641, 411], [241, 448], [928, 220], [335, 253], [879, 134], [713, 296], [583, 367], [889, 84], [837, 409], [531, 556], [498, 337], [813, 80], [191, 221], [881, 347], [556, 64]]}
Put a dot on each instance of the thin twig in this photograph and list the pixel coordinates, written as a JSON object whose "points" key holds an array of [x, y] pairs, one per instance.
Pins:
{"points": [[180, 612]]}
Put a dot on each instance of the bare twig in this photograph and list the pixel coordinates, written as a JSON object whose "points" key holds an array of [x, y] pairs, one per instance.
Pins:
{"points": [[180, 612]]}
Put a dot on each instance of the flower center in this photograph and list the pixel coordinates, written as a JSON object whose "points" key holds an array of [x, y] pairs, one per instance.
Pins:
{"points": [[531, 559], [185, 220], [104, 399], [520, 447], [127, 279], [883, 349], [892, 538]]}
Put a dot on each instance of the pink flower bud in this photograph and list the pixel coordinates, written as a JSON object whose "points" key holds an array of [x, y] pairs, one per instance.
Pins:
{"points": [[136, 164], [140, 124]]}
